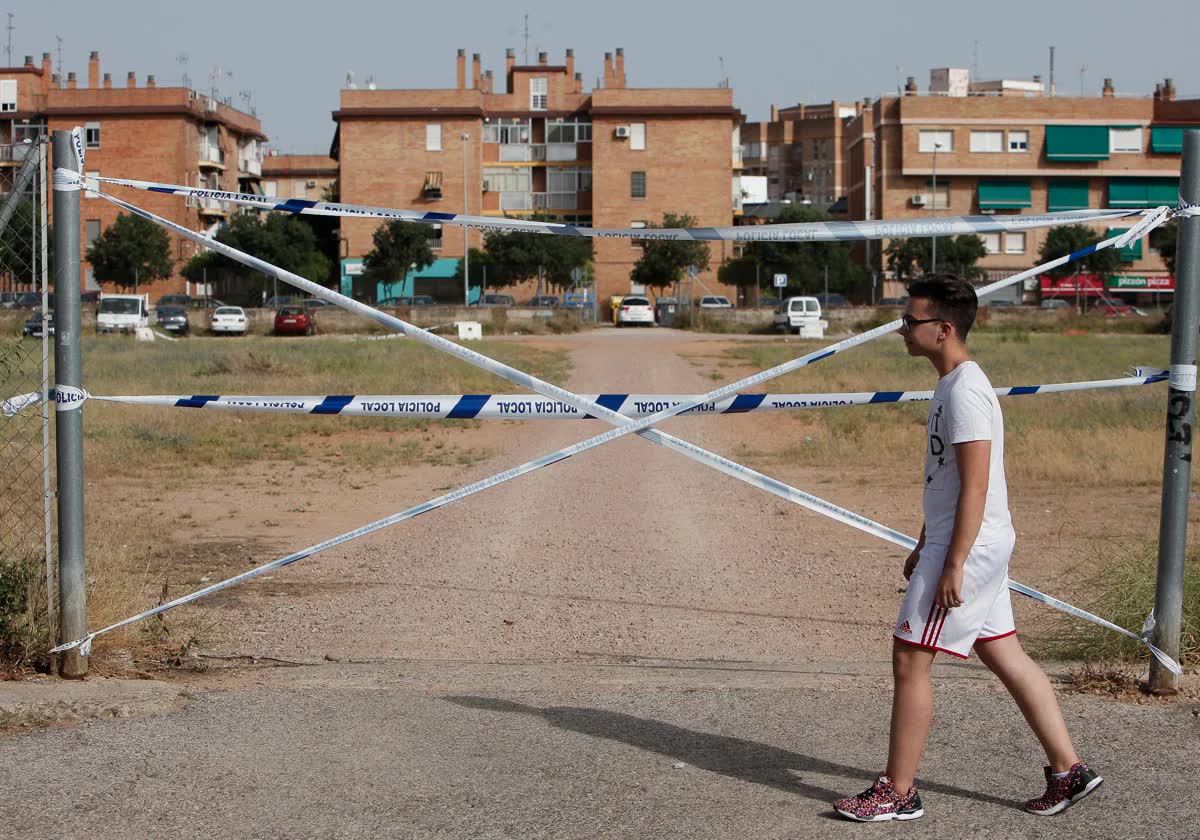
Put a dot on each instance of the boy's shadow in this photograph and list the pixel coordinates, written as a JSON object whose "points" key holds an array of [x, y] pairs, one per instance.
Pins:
{"points": [[735, 757]]}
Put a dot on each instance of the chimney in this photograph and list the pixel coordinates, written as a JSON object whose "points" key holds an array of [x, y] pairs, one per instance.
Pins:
{"points": [[45, 65], [510, 58], [1108, 92], [1168, 91], [619, 69], [910, 86], [476, 72], [131, 80], [94, 70], [608, 70], [543, 58], [150, 81], [570, 64], [29, 61], [461, 61], [488, 82], [774, 113], [107, 80], [71, 83], [579, 83]]}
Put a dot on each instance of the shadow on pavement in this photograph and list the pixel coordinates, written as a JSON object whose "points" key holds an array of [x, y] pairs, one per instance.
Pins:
{"points": [[735, 757]]}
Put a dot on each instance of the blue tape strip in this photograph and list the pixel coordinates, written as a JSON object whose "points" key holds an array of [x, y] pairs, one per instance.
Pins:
{"points": [[297, 205], [333, 404], [196, 401], [1022, 390], [745, 402], [468, 406], [612, 402], [886, 396]]}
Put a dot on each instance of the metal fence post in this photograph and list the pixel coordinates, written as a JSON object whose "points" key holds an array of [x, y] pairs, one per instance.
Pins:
{"points": [[1181, 417], [72, 570]]}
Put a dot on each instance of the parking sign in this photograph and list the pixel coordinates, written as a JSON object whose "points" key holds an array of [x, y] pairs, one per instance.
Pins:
{"points": [[780, 281]]}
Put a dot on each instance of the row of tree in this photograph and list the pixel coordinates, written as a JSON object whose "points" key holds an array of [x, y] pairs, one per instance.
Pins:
{"points": [[306, 245]]}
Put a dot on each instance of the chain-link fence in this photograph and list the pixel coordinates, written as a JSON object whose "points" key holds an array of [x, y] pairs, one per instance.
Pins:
{"points": [[26, 324]]}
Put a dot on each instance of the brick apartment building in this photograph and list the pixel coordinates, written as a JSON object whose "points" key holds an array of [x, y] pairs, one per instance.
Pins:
{"points": [[613, 156], [800, 151], [298, 176], [1006, 147], [169, 134]]}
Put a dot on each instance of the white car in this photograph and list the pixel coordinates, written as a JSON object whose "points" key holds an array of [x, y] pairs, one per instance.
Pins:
{"points": [[635, 310], [229, 319], [715, 302], [802, 316]]}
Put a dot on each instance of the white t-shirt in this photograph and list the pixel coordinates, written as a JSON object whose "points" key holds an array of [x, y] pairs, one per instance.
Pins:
{"points": [[964, 408]]}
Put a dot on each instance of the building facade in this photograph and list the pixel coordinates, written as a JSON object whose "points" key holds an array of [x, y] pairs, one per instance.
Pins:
{"points": [[306, 177], [612, 156], [173, 135]]}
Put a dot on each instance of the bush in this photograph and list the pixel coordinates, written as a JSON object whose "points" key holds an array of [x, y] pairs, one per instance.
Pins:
{"points": [[24, 630]]}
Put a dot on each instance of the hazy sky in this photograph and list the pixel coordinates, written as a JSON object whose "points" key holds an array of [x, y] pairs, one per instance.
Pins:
{"points": [[291, 58]]}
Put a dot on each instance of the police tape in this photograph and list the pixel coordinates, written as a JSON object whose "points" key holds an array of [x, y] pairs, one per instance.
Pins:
{"points": [[624, 426], [524, 407], [795, 232]]}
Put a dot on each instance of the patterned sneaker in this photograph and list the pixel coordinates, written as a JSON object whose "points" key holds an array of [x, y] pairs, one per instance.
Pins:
{"points": [[881, 802], [1062, 793]]}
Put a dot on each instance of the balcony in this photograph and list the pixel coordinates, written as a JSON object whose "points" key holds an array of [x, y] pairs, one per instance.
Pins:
{"points": [[211, 207], [211, 156], [251, 167], [555, 201], [516, 200]]}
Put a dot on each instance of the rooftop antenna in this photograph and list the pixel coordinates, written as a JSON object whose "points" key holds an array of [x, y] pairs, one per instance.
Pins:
{"points": [[724, 83], [975, 62], [247, 96], [1052, 72], [10, 32], [1082, 80], [182, 60], [371, 81], [61, 75], [899, 89], [526, 61], [350, 84]]}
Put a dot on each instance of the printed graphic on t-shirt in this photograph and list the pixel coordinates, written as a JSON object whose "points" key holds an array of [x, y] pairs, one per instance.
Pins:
{"points": [[936, 454]]}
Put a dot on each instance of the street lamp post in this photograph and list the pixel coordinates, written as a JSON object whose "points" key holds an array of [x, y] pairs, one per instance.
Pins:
{"points": [[933, 206], [466, 230]]}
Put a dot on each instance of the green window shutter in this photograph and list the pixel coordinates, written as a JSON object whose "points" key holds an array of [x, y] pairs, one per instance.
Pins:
{"points": [[1166, 139], [1076, 142], [1004, 195], [1067, 195], [1132, 251], [1143, 192]]}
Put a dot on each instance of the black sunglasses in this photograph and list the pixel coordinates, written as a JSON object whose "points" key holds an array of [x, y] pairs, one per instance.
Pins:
{"points": [[910, 322]]}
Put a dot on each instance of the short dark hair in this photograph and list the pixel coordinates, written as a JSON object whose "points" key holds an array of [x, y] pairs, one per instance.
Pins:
{"points": [[953, 299]]}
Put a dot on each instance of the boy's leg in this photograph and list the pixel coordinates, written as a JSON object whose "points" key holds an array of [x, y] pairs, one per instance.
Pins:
{"points": [[1031, 689], [912, 712]]}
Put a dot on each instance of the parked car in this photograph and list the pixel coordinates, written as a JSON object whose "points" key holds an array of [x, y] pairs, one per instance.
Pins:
{"points": [[207, 303], [543, 301], [7, 299], [122, 313], [174, 300], [828, 301], [715, 302], [313, 304], [173, 319], [635, 309], [499, 300], [28, 300], [770, 301], [1055, 303], [577, 300], [33, 326], [415, 300], [295, 320], [230, 320], [798, 315], [277, 301], [1111, 308]]}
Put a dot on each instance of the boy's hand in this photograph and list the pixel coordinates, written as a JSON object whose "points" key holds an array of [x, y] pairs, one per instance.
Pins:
{"points": [[911, 563], [949, 587]]}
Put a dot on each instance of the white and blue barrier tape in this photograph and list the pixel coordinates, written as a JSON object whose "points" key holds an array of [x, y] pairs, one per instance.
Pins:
{"points": [[523, 407], [624, 425]]}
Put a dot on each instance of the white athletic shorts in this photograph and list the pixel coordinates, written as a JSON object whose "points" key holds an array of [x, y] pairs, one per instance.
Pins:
{"points": [[986, 611]]}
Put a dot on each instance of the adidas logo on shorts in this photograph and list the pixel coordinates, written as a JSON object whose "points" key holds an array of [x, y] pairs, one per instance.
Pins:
{"points": [[904, 628]]}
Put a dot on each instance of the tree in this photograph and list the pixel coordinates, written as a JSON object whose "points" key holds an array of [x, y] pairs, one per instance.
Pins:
{"points": [[516, 256], [19, 253], [398, 247], [1068, 239], [131, 250], [280, 239], [664, 262], [805, 263], [1164, 240], [325, 233], [911, 258]]}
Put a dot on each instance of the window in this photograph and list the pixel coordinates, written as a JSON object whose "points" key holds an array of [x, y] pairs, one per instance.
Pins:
{"points": [[940, 141], [93, 231], [433, 137], [987, 141], [91, 135], [575, 130], [537, 95], [569, 179], [1014, 243], [637, 184], [270, 188], [94, 179], [1124, 141], [1018, 141], [8, 94], [938, 197], [299, 190], [637, 136], [991, 242], [508, 179], [435, 237], [507, 130]]}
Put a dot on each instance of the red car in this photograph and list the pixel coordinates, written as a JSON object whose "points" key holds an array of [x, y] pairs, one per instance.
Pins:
{"points": [[294, 320]]}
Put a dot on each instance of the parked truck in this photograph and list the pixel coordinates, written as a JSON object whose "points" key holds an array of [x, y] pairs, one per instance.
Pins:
{"points": [[122, 313]]}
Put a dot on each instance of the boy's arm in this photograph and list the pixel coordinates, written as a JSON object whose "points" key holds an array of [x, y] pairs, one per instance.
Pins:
{"points": [[914, 555], [974, 464]]}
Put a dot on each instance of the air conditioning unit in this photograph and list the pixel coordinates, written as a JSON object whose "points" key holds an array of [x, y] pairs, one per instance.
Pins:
{"points": [[919, 199], [310, 184], [621, 132], [487, 186]]}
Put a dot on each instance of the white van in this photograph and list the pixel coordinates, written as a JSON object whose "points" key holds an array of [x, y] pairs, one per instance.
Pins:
{"points": [[802, 316], [122, 313]]}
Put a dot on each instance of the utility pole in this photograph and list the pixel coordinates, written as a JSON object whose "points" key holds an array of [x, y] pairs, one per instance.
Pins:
{"points": [[933, 206], [466, 232], [68, 373], [1181, 419]]}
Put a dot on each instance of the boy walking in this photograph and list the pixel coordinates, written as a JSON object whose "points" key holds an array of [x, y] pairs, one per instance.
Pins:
{"points": [[957, 596]]}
